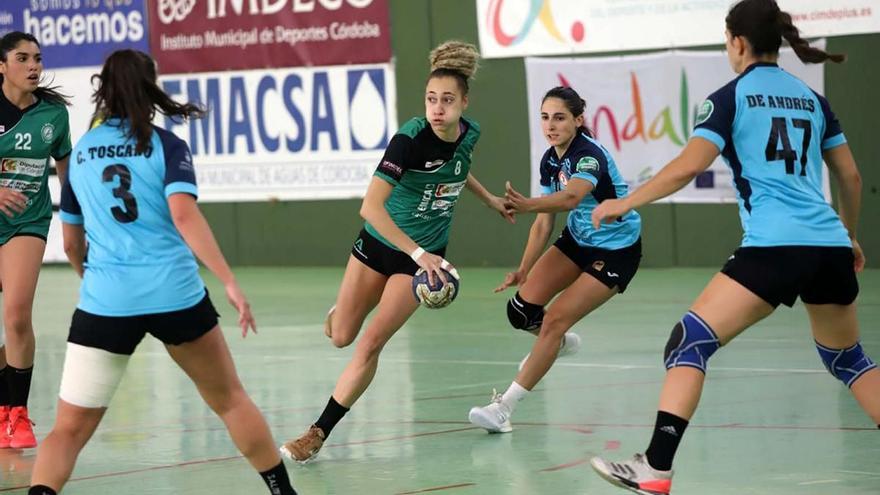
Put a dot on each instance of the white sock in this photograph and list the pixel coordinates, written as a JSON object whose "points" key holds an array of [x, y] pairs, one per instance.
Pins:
{"points": [[515, 393]]}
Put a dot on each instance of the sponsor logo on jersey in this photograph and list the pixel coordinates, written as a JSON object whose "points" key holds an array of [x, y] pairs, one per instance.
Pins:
{"points": [[391, 168], [562, 177], [441, 204], [447, 190], [434, 164], [23, 166], [2, 129], [587, 164], [706, 110], [47, 133]]}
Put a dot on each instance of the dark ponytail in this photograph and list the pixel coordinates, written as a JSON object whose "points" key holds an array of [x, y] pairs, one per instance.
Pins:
{"points": [[128, 89], [48, 93], [808, 54], [764, 24], [573, 102]]}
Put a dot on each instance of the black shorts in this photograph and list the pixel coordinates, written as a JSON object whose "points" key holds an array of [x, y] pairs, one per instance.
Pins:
{"points": [[383, 259], [778, 275], [612, 267], [122, 334]]}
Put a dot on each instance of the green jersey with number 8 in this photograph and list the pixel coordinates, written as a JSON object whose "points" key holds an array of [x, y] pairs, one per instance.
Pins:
{"points": [[428, 175]]}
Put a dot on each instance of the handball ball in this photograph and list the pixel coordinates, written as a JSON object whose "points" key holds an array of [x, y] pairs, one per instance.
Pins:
{"points": [[438, 295]]}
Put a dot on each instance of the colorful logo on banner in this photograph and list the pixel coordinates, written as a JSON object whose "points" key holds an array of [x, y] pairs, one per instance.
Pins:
{"points": [[619, 129], [78, 33], [539, 10], [212, 35]]}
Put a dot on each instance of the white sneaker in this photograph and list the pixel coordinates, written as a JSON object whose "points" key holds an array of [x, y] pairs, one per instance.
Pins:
{"points": [[494, 418], [571, 344], [635, 475]]}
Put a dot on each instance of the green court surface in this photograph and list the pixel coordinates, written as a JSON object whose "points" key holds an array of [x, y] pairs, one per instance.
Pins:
{"points": [[771, 421]]}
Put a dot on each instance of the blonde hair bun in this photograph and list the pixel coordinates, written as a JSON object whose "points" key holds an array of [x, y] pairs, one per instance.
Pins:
{"points": [[456, 55]]}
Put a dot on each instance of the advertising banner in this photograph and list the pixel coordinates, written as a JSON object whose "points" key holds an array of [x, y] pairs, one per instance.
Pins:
{"points": [[77, 33], [314, 133], [214, 35], [515, 28], [642, 108]]}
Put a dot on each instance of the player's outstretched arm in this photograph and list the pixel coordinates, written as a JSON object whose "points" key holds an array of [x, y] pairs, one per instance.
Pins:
{"points": [[539, 234], [842, 164], [489, 199], [194, 229], [695, 158], [565, 200], [74, 245]]}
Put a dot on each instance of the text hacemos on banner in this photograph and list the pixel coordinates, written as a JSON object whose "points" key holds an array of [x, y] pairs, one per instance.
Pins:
{"points": [[78, 33]]}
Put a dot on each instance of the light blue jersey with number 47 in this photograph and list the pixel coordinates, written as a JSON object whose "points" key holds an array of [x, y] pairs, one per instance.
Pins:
{"points": [[772, 129]]}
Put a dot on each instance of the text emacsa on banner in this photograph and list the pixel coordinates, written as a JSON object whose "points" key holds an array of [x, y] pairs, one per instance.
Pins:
{"points": [[287, 134]]}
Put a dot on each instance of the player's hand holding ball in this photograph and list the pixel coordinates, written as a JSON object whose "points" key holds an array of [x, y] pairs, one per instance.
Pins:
{"points": [[436, 284]]}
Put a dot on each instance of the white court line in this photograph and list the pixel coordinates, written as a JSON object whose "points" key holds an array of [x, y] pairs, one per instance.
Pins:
{"points": [[560, 364], [818, 482], [857, 472]]}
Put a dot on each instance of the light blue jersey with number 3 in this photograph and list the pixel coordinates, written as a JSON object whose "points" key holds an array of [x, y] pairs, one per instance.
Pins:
{"points": [[137, 261], [772, 129]]}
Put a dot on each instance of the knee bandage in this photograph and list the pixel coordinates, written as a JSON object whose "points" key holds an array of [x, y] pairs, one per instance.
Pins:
{"points": [[692, 343], [847, 365], [91, 375], [524, 315]]}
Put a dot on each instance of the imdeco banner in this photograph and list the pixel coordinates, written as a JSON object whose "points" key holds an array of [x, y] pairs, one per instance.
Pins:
{"points": [[515, 28], [214, 35], [642, 109]]}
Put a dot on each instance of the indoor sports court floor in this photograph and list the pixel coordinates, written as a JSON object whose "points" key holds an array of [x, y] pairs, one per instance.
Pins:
{"points": [[771, 420]]}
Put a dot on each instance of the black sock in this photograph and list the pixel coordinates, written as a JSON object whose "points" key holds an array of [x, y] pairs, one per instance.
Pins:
{"points": [[4, 387], [41, 490], [668, 431], [331, 415], [19, 385], [277, 481]]}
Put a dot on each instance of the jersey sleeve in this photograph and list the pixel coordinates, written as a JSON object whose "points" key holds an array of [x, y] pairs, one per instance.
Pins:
{"points": [[715, 117], [70, 212], [180, 175], [544, 168], [61, 146], [833, 136], [396, 159], [589, 165]]}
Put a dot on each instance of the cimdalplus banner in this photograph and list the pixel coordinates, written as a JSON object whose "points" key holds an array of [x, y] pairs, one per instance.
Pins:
{"points": [[214, 35], [643, 108], [77, 33], [514, 28]]}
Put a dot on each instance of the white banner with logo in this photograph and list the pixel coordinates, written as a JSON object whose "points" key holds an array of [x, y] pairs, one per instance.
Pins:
{"points": [[515, 28], [642, 109]]}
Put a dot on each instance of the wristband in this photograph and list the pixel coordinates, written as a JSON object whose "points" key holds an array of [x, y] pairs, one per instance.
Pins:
{"points": [[415, 255]]}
